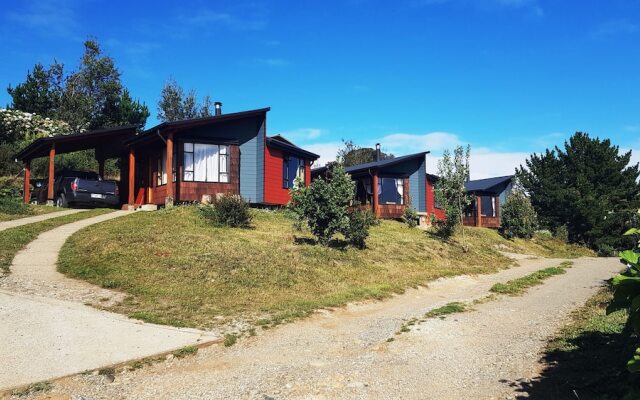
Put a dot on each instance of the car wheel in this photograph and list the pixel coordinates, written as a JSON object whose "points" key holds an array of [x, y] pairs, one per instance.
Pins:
{"points": [[61, 202]]}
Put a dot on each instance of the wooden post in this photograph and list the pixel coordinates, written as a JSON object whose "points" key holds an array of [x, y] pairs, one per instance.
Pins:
{"points": [[101, 168], [27, 179], [497, 210], [132, 176], [478, 211], [169, 166], [374, 189], [52, 156]]}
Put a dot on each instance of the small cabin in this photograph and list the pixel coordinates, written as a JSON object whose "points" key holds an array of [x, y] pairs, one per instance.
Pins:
{"points": [[488, 195]]}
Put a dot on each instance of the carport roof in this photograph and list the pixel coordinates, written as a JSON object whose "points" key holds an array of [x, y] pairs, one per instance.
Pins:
{"points": [[109, 142]]}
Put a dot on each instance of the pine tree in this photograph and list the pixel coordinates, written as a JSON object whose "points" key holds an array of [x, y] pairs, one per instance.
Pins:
{"points": [[588, 186]]}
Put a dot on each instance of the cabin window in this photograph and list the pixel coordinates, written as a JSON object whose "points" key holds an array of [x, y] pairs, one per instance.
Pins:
{"points": [[390, 190], [206, 163], [292, 168], [488, 206], [363, 190]]}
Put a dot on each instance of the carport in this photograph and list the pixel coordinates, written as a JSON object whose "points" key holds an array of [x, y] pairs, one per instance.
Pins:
{"points": [[107, 143]]}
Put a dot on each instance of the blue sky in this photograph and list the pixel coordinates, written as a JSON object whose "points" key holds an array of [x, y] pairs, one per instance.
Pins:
{"points": [[510, 77]]}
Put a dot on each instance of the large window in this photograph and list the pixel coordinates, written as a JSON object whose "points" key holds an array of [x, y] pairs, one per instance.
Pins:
{"points": [[390, 190], [488, 206], [206, 162], [292, 168]]}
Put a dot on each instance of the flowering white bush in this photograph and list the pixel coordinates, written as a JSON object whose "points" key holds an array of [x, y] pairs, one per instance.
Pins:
{"points": [[20, 126]]}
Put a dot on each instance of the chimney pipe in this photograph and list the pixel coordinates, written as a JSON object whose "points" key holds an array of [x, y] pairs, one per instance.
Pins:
{"points": [[377, 151], [218, 108]]}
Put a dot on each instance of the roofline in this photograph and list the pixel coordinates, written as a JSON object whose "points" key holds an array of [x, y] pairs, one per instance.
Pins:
{"points": [[271, 142], [389, 162], [196, 122], [21, 155], [493, 177]]}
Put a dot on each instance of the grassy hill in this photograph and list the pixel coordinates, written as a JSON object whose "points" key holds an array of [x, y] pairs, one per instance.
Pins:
{"points": [[180, 271]]}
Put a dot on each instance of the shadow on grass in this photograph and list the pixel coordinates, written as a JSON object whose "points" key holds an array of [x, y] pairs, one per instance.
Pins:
{"points": [[333, 244], [594, 368]]}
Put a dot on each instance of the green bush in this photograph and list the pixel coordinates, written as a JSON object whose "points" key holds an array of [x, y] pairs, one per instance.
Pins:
{"points": [[13, 206], [519, 219], [357, 230], [228, 210], [562, 233], [542, 234], [410, 217], [323, 207], [446, 227]]}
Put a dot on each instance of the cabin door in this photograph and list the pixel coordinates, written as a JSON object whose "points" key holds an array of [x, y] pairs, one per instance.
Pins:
{"points": [[142, 182]]}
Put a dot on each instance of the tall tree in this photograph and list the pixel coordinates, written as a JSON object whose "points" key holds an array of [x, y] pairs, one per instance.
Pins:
{"points": [[94, 96], [450, 190], [41, 92], [352, 154], [588, 186], [175, 105]]}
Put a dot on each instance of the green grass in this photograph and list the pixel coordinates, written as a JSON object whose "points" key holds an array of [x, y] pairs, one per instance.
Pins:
{"points": [[587, 358], [29, 211], [230, 339], [34, 388], [185, 351], [180, 271], [449, 308], [15, 239], [519, 286]]}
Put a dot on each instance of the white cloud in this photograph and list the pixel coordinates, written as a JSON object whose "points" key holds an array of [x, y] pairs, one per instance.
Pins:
{"points": [[50, 16], [204, 18], [303, 134], [406, 143], [326, 151], [485, 163]]}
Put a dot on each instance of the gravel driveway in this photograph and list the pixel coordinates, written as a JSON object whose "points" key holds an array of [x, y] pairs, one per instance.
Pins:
{"points": [[344, 354]]}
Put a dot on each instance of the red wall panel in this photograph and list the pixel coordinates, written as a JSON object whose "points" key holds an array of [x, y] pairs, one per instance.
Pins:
{"points": [[274, 193], [431, 200]]}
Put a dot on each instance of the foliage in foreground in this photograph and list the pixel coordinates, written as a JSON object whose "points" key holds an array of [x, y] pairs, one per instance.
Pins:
{"points": [[627, 293], [585, 360], [228, 210], [410, 217], [323, 207], [519, 219], [589, 187]]}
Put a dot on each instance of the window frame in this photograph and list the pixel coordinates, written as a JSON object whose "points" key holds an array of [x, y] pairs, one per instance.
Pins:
{"points": [[301, 171], [220, 159], [399, 182]]}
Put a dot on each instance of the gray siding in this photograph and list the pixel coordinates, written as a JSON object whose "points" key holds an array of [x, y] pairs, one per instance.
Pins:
{"points": [[415, 169], [252, 167]]}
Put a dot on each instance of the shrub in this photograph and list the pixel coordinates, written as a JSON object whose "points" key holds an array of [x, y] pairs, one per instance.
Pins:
{"points": [[228, 210], [562, 233], [445, 228], [519, 219], [410, 217], [543, 234], [12, 206], [357, 230], [323, 206]]}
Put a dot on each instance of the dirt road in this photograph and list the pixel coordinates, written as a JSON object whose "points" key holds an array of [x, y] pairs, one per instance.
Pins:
{"points": [[344, 354]]}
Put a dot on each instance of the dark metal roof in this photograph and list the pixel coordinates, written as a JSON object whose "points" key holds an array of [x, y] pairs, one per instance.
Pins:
{"points": [[281, 143], [194, 122], [107, 141], [376, 164], [487, 185]]}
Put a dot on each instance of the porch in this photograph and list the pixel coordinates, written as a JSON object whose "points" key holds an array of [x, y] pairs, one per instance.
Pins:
{"points": [[484, 211]]}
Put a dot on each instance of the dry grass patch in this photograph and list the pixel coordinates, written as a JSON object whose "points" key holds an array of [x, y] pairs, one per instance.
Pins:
{"points": [[180, 271]]}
